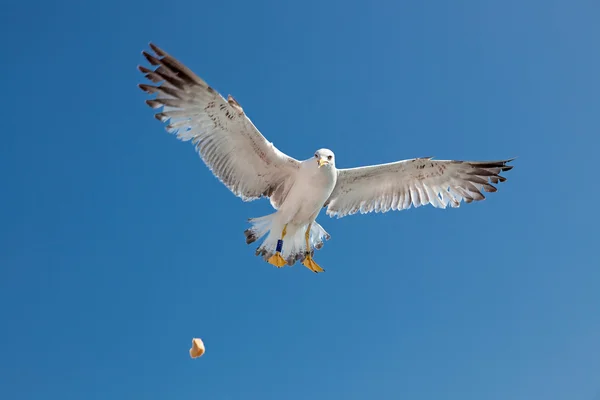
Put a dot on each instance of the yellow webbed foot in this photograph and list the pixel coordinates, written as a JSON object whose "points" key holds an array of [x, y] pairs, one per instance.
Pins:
{"points": [[312, 265], [277, 260]]}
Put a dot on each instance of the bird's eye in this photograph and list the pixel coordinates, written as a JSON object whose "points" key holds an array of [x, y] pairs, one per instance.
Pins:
{"points": [[316, 155], [329, 157]]}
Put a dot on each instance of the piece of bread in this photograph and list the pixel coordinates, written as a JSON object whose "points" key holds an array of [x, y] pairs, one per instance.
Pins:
{"points": [[197, 348]]}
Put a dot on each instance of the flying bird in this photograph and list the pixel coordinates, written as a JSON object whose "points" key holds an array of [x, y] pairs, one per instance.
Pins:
{"points": [[252, 167]]}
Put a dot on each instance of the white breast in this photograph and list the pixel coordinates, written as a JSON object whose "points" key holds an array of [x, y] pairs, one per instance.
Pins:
{"points": [[310, 191]]}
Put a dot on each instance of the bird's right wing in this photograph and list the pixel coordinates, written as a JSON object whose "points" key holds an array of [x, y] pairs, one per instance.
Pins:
{"points": [[416, 182], [227, 141]]}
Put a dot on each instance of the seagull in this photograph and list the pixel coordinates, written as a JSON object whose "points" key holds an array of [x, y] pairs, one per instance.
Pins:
{"points": [[251, 167]]}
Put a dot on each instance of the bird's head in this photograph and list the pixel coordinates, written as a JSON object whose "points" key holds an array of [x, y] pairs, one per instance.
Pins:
{"points": [[325, 157]]}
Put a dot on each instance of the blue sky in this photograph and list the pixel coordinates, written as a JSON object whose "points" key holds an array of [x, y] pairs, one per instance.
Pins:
{"points": [[117, 245]]}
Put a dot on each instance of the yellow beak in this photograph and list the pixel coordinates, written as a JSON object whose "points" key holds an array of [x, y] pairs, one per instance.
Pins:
{"points": [[322, 161]]}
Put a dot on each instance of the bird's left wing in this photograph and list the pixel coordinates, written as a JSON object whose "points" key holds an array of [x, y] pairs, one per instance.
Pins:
{"points": [[416, 182], [228, 142]]}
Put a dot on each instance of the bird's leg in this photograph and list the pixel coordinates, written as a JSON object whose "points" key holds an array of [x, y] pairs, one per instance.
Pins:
{"points": [[276, 259], [308, 261]]}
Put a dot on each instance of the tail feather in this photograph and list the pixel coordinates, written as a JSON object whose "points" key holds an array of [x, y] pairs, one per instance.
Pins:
{"points": [[260, 227], [294, 243], [317, 234]]}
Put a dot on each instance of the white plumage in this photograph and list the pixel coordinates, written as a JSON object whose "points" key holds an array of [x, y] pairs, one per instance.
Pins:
{"points": [[251, 167]]}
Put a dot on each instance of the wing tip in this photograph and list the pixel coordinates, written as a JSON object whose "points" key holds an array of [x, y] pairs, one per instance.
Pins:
{"points": [[151, 59], [143, 69], [160, 52], [154, 104], [162, 117], [147, 88]]}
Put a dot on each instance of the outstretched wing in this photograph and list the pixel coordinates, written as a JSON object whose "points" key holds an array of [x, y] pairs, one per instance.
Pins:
{"points": [[226, 139], [420, 181]]}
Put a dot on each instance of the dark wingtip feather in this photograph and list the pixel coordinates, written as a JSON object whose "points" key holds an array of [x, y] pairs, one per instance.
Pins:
{"points": [[154, 103], [160, 52], [162, 117], [478, 196], [147, 88], [151, 59], [508, 167]]}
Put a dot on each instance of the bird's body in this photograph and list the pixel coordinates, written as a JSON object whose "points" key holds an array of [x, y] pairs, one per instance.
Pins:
{"points": [[311, 186], [251, 167]]}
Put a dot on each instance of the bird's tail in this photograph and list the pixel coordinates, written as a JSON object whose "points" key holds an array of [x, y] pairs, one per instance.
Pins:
{"points": [[293, 246]]}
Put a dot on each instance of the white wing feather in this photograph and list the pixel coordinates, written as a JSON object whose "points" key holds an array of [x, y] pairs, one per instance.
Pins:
{"points": [[416, 182], [227, 141]]}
